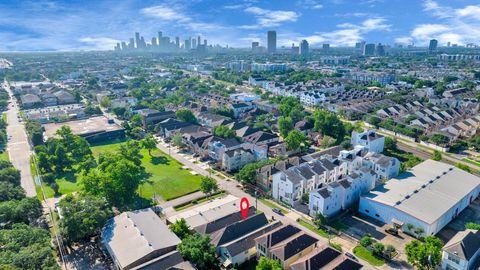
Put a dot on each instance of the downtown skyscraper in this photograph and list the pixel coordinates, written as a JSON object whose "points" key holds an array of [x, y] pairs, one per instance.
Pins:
{"points": [[271, 41]]}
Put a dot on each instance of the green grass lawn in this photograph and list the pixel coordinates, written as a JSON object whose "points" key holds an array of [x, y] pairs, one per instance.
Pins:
{"points": [[167, 179], [4, 155], [367, 255]]}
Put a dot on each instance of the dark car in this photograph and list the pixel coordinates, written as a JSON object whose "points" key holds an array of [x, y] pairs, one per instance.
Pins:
{"points": [[278, 211], [392, 231], [351, 256]]}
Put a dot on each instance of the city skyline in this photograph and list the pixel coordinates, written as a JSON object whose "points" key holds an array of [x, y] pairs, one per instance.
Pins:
{"points": [[90, 25]]}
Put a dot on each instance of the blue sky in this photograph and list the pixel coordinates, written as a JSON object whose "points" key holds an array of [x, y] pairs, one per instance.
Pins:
{"points": [[96, 25]]}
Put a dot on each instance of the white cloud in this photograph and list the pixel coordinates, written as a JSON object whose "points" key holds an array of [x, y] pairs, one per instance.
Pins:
{"points": [[270, 18], [176, 14], [98, 43], [165, 13], [239, 6], [309, 4], [347, 34], [455, 25]]}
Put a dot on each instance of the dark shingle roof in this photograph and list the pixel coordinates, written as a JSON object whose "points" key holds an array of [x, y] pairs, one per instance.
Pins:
{"points": [[464, 244], [294, 246], [238, 229], [249, 241]]}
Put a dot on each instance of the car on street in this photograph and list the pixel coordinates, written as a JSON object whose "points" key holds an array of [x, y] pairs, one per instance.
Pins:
{"points": [[277, 211], [351, 256]]}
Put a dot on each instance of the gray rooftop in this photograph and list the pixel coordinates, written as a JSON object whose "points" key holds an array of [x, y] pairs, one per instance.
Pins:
{"points": [[131, 236], [431, 181]]}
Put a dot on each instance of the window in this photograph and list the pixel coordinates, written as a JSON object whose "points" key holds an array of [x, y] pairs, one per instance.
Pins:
{"points": [[377, 215], [453, 258]]}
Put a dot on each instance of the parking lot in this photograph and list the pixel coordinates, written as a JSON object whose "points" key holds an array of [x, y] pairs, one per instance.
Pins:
{"points": [[470, 214], [357, 226]]}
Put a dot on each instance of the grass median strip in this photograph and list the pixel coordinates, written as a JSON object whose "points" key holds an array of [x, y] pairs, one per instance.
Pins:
{"points": [[271, 204], [313, 228]]}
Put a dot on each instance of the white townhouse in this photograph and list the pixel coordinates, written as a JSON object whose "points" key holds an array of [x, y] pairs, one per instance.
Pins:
{"points": [[342, 194], [385, 167], [313, 98], [370, 139], [289, 185], [462, 251]]}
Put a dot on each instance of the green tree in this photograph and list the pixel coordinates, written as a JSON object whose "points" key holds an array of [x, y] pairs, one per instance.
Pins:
{"points": [[8, 173], [136, 121], [131, 151], [439, 139], [26, 247], [437, 155], [9, 191], [378, 248], [268, 264], [285, 125], [198, 250], [180, 228], [418, 231], [291, 107], [223, 131], [208, 185], [186, 115], [320, 220], [390, 144], [149, 142], [327, 123], [26, 210], [177, 140], [472, 226], [247, 174], [296, 140], [366, 241], [105, 102], [305, 197], [425, 255], [35, 131], [410, 227], [115, 178], [83, 217]]}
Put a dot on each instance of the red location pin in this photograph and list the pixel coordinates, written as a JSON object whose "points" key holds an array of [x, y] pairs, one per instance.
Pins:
{"points": [[244, 205]]}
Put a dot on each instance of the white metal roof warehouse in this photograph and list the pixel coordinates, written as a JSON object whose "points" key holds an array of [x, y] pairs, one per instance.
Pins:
{"points": [[429, 195]]}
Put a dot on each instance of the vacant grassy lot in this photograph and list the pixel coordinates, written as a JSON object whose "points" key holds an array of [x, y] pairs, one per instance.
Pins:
{"points": [[167, 178]]}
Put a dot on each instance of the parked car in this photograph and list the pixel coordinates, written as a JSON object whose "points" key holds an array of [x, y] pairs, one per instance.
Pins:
{"points": [[351, 256], [392, 231], [278, 211]]}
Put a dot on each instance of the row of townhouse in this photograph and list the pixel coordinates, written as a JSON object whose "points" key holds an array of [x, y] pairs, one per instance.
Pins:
{"points": [[249, 145], [331, 179], [399, 110], [465, 128], [370, 76]]}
